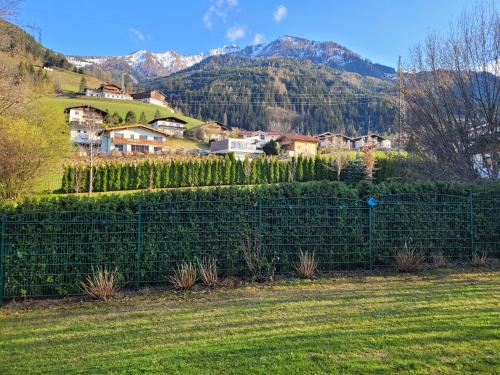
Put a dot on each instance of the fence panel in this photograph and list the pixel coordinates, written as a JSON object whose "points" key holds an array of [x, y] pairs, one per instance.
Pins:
{"points": [[336, 230], [191, 231], [486, 224], [48, 254], [428, 223]]}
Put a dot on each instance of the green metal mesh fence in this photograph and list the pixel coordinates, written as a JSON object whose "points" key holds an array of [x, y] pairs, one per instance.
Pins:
{"points": [[50, 253]]}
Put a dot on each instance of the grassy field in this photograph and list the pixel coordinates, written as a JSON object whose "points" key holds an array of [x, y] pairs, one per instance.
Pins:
{"points": [[70, 81], [442, 322], [120, 106]]}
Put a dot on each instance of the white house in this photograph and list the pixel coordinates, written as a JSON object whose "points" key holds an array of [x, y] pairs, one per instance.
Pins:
{"points": [[170, 125], [334, 141], [85, 123], [108, 91], [133, 138], [240, 147], [373, 140], [152, 97], [263, 137]]}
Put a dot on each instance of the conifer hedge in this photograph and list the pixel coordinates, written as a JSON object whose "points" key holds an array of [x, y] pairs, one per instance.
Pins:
{"points": [[174, 173]]}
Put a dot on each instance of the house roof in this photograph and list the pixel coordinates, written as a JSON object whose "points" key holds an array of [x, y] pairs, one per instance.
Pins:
{"points": [[221, 125], [67, 109], [147, 94], [169, 118], [109, 85], [298, 138], [123, 127], [330, 134], [252, 132], [369, 135]]}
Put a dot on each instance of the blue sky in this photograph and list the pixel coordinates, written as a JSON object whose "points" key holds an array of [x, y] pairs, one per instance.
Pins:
{"points": [[379, 30]]}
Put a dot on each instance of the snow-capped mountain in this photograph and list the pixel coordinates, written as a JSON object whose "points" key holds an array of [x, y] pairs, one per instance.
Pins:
{"points": [[145, 65]]}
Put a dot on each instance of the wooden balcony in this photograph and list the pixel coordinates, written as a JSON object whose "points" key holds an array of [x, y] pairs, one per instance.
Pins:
{"points": [[136, 141]]}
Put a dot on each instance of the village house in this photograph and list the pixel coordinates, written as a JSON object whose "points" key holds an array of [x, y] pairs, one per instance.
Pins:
{"points": [[133, 138], [85, 123], [240, 147], [294, 145], [170, 125], [108, 91], [263, 136], [334, 141], [371, 140], [208, 132], [152, 97]]}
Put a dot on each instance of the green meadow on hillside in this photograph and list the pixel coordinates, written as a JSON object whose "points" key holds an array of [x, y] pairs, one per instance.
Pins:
{"points": [[120, 106], [69, 81]]}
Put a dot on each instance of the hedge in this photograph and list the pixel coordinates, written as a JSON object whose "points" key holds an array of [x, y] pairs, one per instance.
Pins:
{"points": [[52, 243], [172, 173]]}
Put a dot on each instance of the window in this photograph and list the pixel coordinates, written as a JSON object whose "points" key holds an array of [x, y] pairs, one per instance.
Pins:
{"points": [[138, 148], [158, 149], [143, 137], [118, 135], [158, 138], [77, 113], [132, 136], [119, 148], [262, 137]]}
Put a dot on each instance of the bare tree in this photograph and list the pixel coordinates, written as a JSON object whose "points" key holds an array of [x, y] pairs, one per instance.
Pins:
{"points": [[452, 90], [9, 8]]}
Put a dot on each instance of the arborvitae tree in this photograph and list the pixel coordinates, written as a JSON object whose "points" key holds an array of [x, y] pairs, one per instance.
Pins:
{"points": [[214, 172], [130, 118], [142, 118], [111, 176], [300, 169], [118, 176], [276, 171], [83, 84], [124, 177], [115, 119], [253, 173], [157, 114], [270, 170]]}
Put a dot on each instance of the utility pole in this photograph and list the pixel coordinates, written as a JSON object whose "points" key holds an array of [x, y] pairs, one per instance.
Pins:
{"points": [[401, 103]]}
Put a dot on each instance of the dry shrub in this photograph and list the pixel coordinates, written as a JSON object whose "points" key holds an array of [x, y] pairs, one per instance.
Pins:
{"points": [[208, 272], [479, 260], [184, 276], [307, 265], [439, 260], [253, 257], [409, 260], [102, 284], [229, 282]]}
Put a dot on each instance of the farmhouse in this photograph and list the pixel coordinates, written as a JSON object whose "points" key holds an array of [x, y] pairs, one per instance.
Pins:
{"points": [[293, 145], [171, 125], [152, 97], [334, 141], [240, 147], [209, 131], [371, 140], [85, 123], [133, 138], [108, 91]]}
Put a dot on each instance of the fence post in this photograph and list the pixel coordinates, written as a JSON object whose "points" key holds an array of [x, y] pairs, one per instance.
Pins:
{"points": [[372, 202], [259, 203], [138, 253], [2, 257], [471, 222]]}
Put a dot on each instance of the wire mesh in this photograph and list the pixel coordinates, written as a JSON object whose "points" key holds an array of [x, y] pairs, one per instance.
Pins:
{"points": [[50, 253]]}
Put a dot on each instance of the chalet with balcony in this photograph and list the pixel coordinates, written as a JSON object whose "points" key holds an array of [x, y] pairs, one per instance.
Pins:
{"points": [[334, 142], [171, 125], [240, 147], [208, 132], [85, 123], [294, 145], [152, 97], [108, 91], [263, 136], [133, 138], [371, 140]]}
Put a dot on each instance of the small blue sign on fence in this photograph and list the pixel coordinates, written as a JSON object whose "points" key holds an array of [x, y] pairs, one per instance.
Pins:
{"points": [[372, 202]]}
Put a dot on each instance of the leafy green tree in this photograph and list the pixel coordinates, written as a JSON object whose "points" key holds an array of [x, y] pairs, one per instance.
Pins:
{"points": [[157, 114], [115, 119], [142, 118], [271, 148]]}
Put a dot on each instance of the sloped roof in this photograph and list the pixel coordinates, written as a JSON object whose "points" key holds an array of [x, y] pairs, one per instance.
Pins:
{"points": [[298, 138], [123, 127], [67, 109], [169, 118]]}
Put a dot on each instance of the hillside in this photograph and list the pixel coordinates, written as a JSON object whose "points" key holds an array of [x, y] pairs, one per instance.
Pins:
{"points": [[280, 94], [69, 81], [120, 106]]}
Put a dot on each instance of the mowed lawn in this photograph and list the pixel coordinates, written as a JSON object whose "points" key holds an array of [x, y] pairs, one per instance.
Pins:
{"points": [[441, 322]]}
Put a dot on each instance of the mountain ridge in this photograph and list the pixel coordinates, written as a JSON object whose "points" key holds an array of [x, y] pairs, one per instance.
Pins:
{"points": [[145, 65]]}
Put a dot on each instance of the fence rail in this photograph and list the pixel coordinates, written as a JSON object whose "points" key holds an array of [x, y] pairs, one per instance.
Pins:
{"points": [[50, 253]]}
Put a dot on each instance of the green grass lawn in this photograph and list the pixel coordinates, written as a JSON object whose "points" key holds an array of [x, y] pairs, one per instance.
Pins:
{"points": [[120, 106], [70, 81], [441, 322]]}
